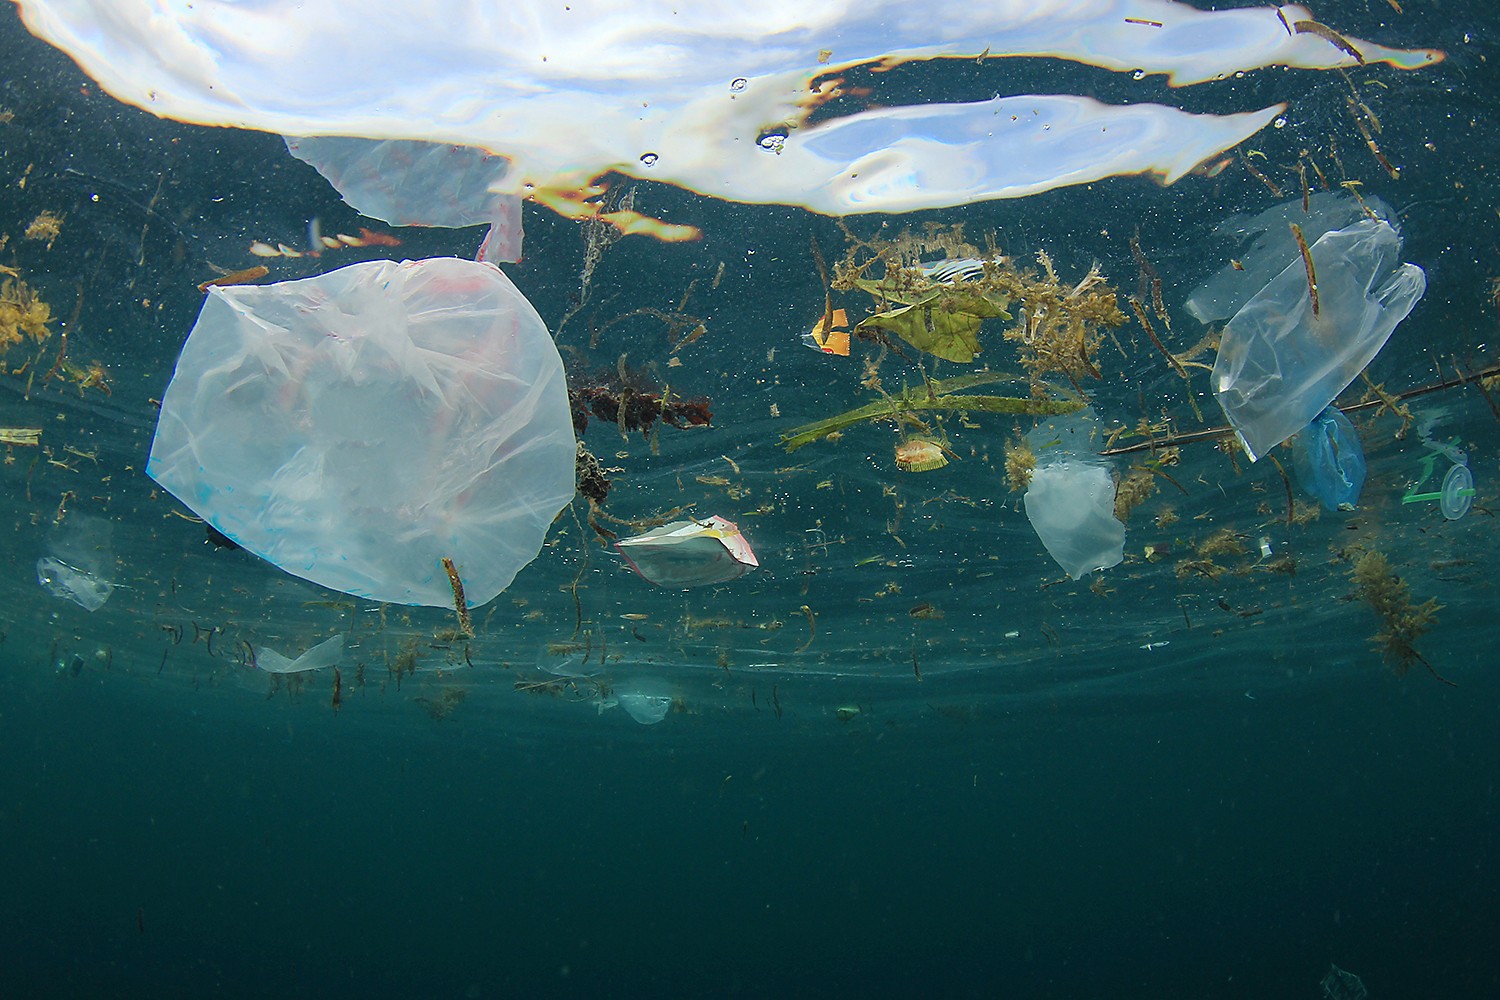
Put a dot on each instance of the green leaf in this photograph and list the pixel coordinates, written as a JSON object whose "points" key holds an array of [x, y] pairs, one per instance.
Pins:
{"points": [[943, 321]]}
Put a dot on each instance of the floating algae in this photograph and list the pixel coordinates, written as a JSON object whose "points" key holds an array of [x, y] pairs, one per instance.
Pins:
{"points": [[939, 306], [1401, 622]]}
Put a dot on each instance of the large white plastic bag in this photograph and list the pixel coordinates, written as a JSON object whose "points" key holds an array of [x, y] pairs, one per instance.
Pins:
{"points": [[1279, 364], [356, 427]]}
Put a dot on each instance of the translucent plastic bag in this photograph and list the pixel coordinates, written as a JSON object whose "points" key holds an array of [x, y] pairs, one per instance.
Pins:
{"points": [[1261, 247], [357, 427], [1280, 363], [1071, 499], [1329, 460], [409, 183]]}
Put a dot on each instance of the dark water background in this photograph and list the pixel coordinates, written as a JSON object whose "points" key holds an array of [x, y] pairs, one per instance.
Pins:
{"points": [[1058, 814]]}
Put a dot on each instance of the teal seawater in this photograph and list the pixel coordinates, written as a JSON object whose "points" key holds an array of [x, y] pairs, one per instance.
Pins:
{"points": [[1173, 786]]}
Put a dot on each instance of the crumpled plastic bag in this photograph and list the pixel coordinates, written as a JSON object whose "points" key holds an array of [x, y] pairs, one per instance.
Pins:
{"points": [[324, 654], [1279, 364], [411, 183], [1329, 459], [80, 562], [1071, 500], [689, 553], [356, 427]]}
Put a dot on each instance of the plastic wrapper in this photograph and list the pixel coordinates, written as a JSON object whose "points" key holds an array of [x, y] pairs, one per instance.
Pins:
{"points": [[1280, 363], [357, 427], [689, 553], [324, 654], [1071, 499], [716, 95], [408, 183], [1329, 460], [80, 561]]}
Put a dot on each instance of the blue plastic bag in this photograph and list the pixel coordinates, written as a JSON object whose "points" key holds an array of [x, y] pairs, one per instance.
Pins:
{"points": [[1330, 462]]}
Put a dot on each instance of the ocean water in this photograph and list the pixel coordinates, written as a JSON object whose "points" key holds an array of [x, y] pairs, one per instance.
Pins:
{"points": [[906, 756]]}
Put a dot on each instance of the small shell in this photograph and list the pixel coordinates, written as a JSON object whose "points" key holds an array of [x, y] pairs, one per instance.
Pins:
{"points": [[919, 454]]}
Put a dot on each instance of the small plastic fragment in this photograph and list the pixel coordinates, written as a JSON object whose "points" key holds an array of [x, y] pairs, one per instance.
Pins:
{"points": [[689, 553], [646, 700], [1329, 460], [1458, 492]]}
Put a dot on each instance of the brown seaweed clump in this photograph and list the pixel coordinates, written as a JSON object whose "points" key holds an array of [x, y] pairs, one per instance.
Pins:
{"points": [[1020, 463], [1061, 326], [1138, 486], [23, 315], [625, 397], [1401, 622]]}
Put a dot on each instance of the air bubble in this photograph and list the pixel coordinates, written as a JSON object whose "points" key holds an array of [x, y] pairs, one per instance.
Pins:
{"points": [[1139, 74], [773, 141], [649, 159], [738, 84], [1279, 122]]}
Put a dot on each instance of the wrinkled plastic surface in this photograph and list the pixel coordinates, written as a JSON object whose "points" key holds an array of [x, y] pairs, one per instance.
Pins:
{"points": [[1263, 246], [80, 563], [681, 93], [1330, 461], [647, 700], [689, 553], [1279, 364], [409, 183], [1071, 499], [324, 654], [357, 427]]}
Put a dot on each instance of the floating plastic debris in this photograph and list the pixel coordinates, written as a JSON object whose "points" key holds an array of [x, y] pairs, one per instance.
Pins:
{"points": [[689, 553], [1284, 357], [409, 183], [80, 562], [324, 654], [1329, 460], [645, 699], [357, 427], [1456, 494], [1071, 499]]}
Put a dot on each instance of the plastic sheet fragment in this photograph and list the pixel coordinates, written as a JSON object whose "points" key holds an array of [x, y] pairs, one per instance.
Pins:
{"points": [[79, 565], [324, 654], [1071, 499]]}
